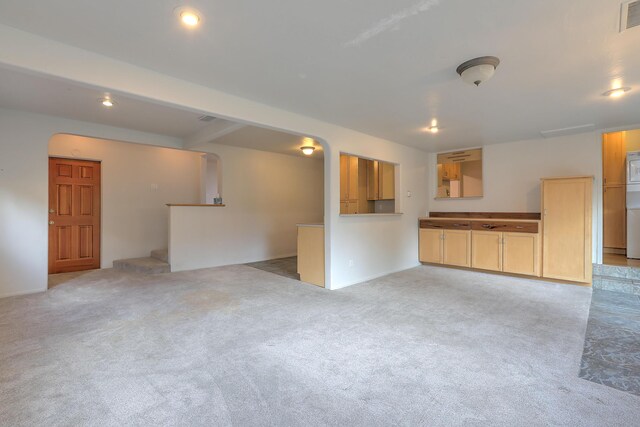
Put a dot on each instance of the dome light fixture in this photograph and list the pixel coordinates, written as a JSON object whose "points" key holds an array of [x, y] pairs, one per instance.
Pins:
{"points": [[478, 70], [434, 127], [308, 150], [617, 92]]}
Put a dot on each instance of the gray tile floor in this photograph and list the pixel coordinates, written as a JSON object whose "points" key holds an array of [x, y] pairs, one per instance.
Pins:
{"points": [[612, 343], [285, 267]]}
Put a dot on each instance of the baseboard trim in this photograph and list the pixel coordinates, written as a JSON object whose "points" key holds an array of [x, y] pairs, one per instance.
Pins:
{"points": [[20, 293], [375, 276]]}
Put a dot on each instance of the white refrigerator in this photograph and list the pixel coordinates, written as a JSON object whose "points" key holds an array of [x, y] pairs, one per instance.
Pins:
{"points": [[633, 204]]}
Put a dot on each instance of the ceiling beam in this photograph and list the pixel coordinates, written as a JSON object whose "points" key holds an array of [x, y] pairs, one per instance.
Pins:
{"points": [[216, 130]]}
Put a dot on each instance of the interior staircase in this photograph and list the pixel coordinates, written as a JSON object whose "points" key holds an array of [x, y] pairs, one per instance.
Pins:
{"points": [[157, 263], [617, 278]]}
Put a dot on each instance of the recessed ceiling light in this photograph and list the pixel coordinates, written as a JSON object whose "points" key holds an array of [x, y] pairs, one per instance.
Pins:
{"points": [[188, 16], [107, 102], [617, 92]]}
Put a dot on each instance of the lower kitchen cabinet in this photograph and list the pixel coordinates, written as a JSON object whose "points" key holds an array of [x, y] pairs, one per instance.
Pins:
{"points": [[451, 247], [496, 245], [521, 253], [517, 253], [430, 245]]}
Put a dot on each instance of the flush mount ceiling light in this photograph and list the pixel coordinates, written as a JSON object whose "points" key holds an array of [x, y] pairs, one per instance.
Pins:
{"points": [[107, 101], [189, 17], [478, 70], [308, 150], [617, 92], [434, 126]]}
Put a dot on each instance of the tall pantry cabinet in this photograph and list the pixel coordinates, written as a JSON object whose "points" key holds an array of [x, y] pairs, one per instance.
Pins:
{"points": [[567, 219], [614, 191]]}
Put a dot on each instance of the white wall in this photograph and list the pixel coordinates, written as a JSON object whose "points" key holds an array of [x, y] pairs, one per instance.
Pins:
{"points": [[378, 245], [266, 195], [512, 172], [137, 183], [24, 140]]}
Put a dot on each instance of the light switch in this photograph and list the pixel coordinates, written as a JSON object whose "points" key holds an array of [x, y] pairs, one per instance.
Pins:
{"points": [[408, 193]]}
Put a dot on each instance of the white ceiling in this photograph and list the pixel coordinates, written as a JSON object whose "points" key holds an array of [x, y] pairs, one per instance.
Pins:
{"points": [[382, 67], [61, 98]]}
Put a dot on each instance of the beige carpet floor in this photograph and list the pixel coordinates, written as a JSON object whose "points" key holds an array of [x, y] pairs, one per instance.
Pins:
{"points": [[240, 346]]}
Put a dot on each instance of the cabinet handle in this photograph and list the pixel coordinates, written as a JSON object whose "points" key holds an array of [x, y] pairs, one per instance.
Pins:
{"points": [[519, 227], [458, 225], [488, 226]]}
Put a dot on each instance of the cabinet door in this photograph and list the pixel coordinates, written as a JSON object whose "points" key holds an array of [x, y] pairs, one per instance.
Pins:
{"points": [[387, 181], [344, 207], [353, 179], [486, 250], [456, 248], [520, 253], [352, 207], [614, 151], [430, 242], [615, 217], [566, 205], [344, 178], [372, 180]]}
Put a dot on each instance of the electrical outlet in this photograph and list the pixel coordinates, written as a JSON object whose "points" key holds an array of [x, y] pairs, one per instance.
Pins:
{"points": [[154, 187], [408, 193], [350, 263]]}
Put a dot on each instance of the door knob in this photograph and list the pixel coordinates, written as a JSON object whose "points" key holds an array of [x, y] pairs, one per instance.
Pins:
{"points": [[51, 222], [52, 211]]}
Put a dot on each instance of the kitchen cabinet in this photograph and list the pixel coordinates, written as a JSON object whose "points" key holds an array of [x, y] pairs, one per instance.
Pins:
{"points": [[456, 247], [430, 246], [614, 152], [509, 252], [486, 251], [614, 216], [311, 253], [450, 247], [566, 215], [348, 184], [510, 246], [380, 180], [451, 171]]}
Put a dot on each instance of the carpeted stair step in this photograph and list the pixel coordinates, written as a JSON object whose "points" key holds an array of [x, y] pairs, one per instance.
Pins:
{"points": [[142, 265], [161, 254]]}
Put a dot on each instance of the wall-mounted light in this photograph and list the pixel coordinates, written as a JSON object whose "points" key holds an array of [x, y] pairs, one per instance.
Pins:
{"points": [[617, 92], [188, 17], [478, 70]]}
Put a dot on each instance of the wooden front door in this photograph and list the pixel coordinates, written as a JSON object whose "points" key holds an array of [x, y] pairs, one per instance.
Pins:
{"points": [[74, 215]]}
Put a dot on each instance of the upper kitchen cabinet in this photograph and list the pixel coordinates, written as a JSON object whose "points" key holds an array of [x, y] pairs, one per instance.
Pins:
{"points": [[381, 184], [366, 186], [460, 174], [614, 153]]}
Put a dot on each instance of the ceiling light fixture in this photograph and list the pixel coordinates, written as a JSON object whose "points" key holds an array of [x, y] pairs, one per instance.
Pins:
{"points": [[188, 16], [617, 92], [107, 101], [434, 126], [478, 70], [308, 150]]}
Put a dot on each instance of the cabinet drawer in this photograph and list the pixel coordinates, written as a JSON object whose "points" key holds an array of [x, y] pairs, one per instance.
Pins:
{"points": [[517, 227], [446, 225]]}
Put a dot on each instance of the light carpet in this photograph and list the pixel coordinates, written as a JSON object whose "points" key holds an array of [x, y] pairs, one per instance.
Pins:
{"points": [[240, 346]]}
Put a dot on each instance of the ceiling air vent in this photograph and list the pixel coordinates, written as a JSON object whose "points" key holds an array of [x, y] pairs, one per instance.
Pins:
{"points": [[630, 16], [206, 118]]}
